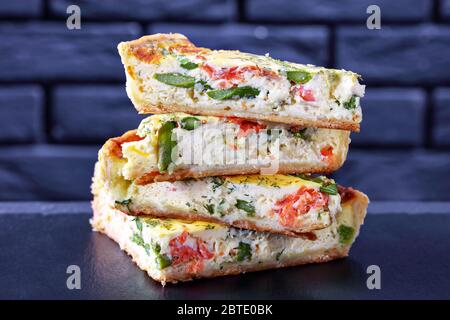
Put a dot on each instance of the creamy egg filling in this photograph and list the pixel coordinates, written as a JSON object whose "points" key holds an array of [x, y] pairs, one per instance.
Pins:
{"points": [[176, 247], [219, 143], [328, 91]]}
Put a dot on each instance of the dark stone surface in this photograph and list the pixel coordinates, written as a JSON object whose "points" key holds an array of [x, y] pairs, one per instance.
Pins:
{"points": [[92, 113], [49, 51], [21, 114], [392, 116], [441, 117], [303, 44], [21, 8], [411, 251], [148, 10], [402, 55], [337, 11]]}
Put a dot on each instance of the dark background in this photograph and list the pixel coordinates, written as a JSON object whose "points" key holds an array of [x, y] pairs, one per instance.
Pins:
{"points": [[62, 91]]}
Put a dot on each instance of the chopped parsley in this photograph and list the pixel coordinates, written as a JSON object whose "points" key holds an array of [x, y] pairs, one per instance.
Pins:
{"points": [[277, 257], [167, 225], [300, 134], [137, 238], [209, 207], [152, 223], [217, 182], [124, 203], [350, 104], [205, 84], [138, 223], [246, 206], [244, 252], [186, 64]]}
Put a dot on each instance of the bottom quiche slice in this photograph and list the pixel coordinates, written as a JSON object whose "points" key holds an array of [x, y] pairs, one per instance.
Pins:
{"points": [[172, 250]]}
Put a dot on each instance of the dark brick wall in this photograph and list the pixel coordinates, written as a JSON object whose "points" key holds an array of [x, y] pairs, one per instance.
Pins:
{"points": [[62, 91]]}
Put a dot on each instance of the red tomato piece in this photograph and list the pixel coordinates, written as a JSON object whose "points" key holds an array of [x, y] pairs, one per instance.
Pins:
{"points": [[208, 69], [306, 94], [301, 202], [194, 256], [326, 151], [245, 126]]}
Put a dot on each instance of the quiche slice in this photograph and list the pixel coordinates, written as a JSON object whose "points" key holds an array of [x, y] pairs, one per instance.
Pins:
{"points": [[167, 73], [176, 146], [294, 205], [172, 250]]}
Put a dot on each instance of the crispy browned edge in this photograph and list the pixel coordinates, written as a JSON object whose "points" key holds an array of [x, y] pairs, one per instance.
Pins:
{"points": [[359, 205], [124, 49], [341, 154]]}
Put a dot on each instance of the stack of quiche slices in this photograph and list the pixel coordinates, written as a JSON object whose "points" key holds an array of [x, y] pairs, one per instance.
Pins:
{"points": [[225, 176]]}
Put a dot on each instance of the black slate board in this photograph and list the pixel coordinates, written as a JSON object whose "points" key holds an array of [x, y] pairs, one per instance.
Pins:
{"points": [[413, 252]]}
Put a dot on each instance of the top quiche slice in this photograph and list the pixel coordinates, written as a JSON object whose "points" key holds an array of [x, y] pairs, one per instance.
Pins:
{"points": [[167, 73]]}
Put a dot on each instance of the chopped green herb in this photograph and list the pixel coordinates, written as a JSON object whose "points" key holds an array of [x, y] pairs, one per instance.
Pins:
{"points": [[220, 208], [279, 255], [165, 145], [186, 64], [176, 79], [244, 252], [152, 223], [163, 261], [246, 206], [209, 207], [125, 203], [225, 94], [209, 227], [346, 234], [167, 225], [138, 224], [205, 84], [156, 248], [188, 204], [190, 123], [350, 104], [217, 182], [137, 238], [329, 188], [299, 76], [300, 134], [308, 177]]}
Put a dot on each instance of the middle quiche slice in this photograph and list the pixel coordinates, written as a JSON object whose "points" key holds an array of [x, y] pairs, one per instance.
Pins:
{"points": [[176, 146], [284, 204]]}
